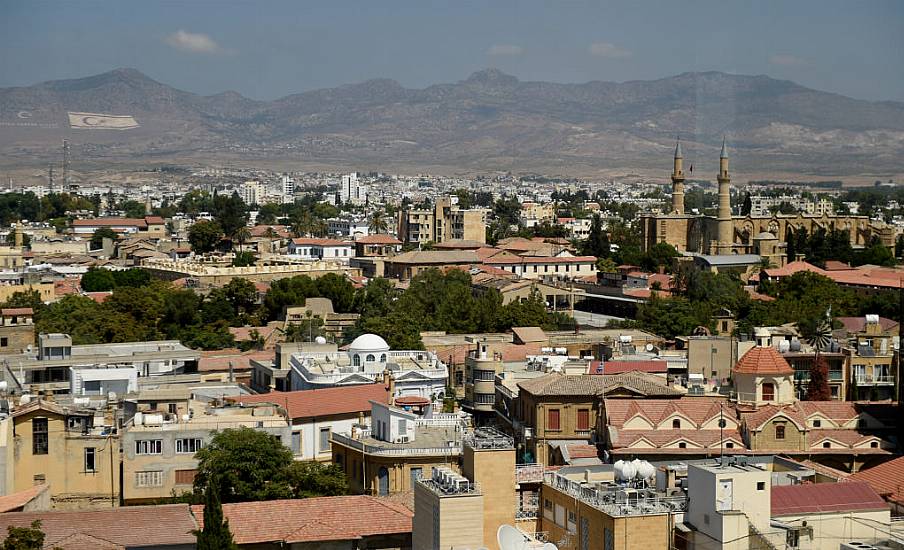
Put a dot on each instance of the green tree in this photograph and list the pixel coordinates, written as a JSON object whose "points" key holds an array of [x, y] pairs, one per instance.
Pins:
{"points": [[313, 479], [24, 538], [378, 222], [818, 386], [204, 236], [133, 209], [597, 242], [242, 294], [26, 298], [230, 213], [339, 290], [98, 280], [241, 236], [215, 535], [101, 233], [244, 259]]}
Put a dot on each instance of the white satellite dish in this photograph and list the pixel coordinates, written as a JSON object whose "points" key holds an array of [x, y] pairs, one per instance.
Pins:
{"points": [[510, 538], [550, 546]]}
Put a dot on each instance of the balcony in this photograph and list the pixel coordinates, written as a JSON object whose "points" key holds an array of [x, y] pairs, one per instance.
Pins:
{"points": [[866, 380], [529, 473]]}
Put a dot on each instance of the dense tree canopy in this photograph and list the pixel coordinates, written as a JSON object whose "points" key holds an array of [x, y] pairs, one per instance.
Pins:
{"points": [[204, 236]]}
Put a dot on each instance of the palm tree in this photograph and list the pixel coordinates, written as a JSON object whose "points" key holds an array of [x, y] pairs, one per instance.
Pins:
{"points": [[241, 235], [378, 222], [271, 234]]}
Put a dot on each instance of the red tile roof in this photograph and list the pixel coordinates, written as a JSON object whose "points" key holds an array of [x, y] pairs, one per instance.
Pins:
{"points": [[544, 260], [581, 450], [378, 239], [323, 402], [156, 220], [886, 479], [825, 498], [318, 519], [763, 360], [130, 526], [321, 242], [16, 501], [9, 311], [858, 324]]}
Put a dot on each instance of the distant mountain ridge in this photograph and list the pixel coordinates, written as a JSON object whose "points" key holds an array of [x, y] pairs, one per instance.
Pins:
{"points": [[490, 121]]}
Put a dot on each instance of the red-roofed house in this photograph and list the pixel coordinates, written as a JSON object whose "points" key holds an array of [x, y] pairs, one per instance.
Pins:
{"points": [[536, 267], [377, 245], [355, 521], [153, 227], [316, 414], [762, 376], [887, 479]]}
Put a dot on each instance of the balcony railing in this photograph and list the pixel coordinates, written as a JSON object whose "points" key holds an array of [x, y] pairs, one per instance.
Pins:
{"points": [[874, 379], [529, 473], [454, 449]]}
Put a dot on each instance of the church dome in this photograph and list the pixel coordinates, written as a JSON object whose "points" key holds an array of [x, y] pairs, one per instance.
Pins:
{"points": [[765, 235], [368, 343]]}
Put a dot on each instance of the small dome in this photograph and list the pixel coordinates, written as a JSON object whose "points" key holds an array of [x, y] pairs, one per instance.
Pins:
{"points": [[368, 342], [765, 235]]}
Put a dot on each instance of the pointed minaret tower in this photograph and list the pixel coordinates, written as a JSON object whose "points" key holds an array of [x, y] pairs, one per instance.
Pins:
{"points": [[724, 213], [678, 181]]}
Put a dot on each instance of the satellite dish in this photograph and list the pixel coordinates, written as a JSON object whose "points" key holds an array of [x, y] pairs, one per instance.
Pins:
{"points": [[649, 347], [550, 546], [510, 538]]}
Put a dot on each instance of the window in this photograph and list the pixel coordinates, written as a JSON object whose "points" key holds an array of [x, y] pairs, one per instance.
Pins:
{"points": [[552, 420], [149, 479], [729, 445], [792, 539], [760, 485], [4, 341], [682, 445], [148, 446], [188, 446], [370, 358], [39, 441], [826, 445], [172, 408], [768, 391], [324, 446], [780, 431], [185, 477], [572, 522], [817, 423], [416, 474], [722, 423], [676, 424], [548, 510], [583, 419], [89, 459]]}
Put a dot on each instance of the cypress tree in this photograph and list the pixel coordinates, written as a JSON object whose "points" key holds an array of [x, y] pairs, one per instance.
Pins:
{"points": [[215, 535]]}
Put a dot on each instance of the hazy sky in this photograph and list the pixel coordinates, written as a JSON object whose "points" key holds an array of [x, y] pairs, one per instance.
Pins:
{"points": [[267, 49]]}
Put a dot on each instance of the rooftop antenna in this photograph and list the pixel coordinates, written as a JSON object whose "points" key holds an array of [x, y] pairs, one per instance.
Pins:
{"points": [[66, 161]]}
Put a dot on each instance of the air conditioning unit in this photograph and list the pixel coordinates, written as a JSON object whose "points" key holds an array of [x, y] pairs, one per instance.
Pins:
{"points": [[402, 439]]}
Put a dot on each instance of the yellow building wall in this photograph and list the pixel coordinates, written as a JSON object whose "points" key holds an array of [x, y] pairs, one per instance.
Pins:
{"points": [[494, 472], [63, 467]]}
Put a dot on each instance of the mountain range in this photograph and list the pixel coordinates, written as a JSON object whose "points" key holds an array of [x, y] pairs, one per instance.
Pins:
{"points": [[489, 122]]}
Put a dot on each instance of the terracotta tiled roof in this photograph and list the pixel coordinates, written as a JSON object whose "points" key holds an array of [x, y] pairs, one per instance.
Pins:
{"points": [[219, 362], [660, 438], [321, 242], [16, 501], [821, 498], [543, 260], [698, 410], [838, 475], [156, 220], [529, 334], [261, 231], [323, 402], [319, 519], [379, 239], [10, 311], [579, 450], [886, 479], [596, 385], [129, 526], [858, 324], [763, 360], [244, 333]]}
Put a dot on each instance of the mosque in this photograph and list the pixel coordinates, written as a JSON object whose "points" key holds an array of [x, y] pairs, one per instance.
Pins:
{"points": [[734, 234]]}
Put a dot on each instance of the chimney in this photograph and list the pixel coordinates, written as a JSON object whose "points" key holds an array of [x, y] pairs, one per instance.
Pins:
{"points": [[389, 384]]}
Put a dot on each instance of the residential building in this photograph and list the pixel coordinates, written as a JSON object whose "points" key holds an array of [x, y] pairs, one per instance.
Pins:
{"points": [[565, 408], [74, 451], [445, 222], [351, 190], [17, 330], [377, 245], [316, 414], [333, 324], [251, 192], [367, 360], [321, 249], [207, 275], [398, 448], [407, 265], [871, 356], [540, 267], [151, 227], [158, 449], [348, 227], [481, 370], [49, 367], [583, 508]]}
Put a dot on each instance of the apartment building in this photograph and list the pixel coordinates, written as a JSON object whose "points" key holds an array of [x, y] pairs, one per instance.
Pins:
{"points": [[158, 449], [17, 330], [317, 414], [445, 222], [49, 366], [321, 249], [74, 451], [542, 267], [398, 448], [152, 227]]}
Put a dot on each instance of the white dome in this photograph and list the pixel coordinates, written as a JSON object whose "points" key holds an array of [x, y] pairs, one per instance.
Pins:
{"points": [[368, 343]]}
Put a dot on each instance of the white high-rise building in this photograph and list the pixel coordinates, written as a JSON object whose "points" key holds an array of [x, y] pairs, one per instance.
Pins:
{"points": [[288, 190], [352, 191], [251, 192]]}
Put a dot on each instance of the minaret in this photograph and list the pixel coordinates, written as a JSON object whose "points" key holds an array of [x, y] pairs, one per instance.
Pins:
{"points": [[724, 214], [678, 181]]}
